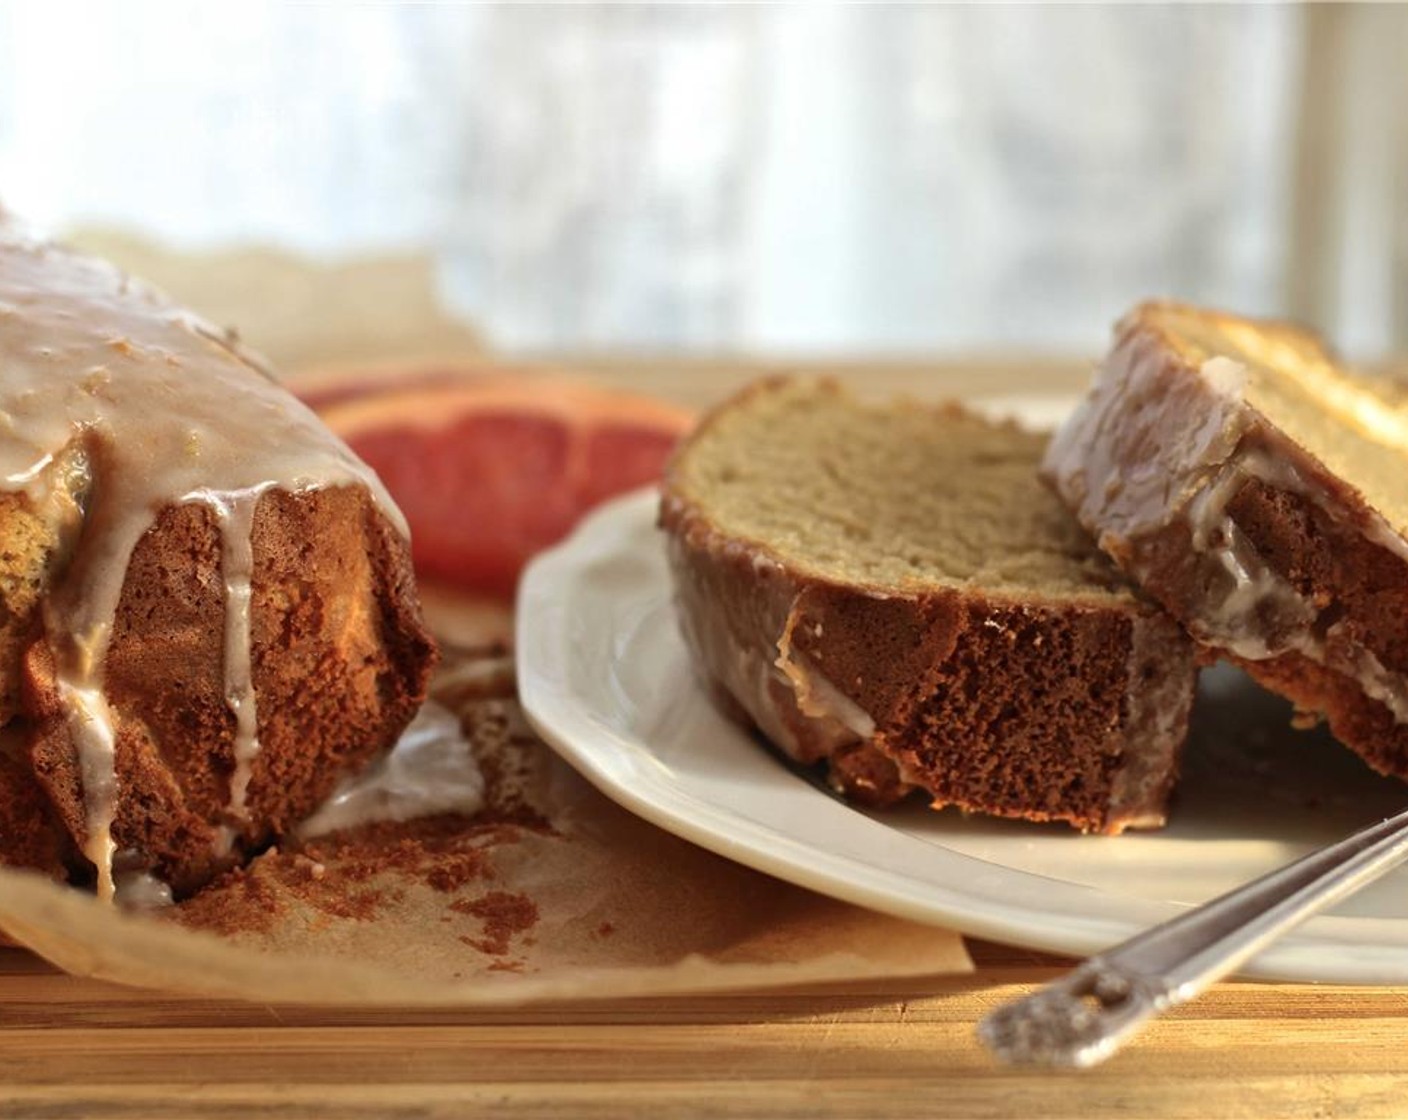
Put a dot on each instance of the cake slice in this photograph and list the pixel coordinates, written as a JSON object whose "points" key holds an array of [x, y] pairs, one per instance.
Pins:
{"points": [[890, 590], [1259, 491]]}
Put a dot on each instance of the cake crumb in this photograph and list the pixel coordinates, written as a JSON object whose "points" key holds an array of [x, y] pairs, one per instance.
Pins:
{"points": [[504, 916]]}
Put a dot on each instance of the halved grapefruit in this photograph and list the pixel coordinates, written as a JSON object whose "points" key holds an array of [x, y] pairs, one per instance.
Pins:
{"points": [[490, 469]]}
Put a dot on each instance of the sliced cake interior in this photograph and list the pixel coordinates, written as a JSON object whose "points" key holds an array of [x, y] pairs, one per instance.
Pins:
{"points": [[890, 588]]}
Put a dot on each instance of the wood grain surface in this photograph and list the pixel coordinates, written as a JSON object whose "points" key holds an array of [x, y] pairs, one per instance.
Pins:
{"points": [[81, 1048]]}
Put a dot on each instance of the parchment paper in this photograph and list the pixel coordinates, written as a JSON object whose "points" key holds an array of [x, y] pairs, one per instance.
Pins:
{"points": [[301, 312]]}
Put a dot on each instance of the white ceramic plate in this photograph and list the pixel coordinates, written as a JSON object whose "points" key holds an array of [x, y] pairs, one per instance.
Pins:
{"points": [[606, 679]]}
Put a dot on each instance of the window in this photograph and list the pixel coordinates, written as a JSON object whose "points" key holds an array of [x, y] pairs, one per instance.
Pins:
{"points": [[787, 179]]}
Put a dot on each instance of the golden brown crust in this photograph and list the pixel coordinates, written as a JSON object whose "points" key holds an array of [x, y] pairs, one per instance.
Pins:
{"points": [[25, 563], [30, 833], [1161, 318]]}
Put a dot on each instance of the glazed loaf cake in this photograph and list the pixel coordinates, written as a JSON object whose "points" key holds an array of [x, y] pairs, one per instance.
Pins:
{"points": [[207, 610], [1259, 491], [891, 591]]}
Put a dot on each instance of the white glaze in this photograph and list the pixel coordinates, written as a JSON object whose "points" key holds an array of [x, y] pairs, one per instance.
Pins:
{"points": [[235, 515], [818, 697], [1236, 619], [141, 890]]}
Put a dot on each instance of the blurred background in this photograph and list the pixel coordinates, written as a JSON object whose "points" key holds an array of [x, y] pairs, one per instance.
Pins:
{"points": [[778, 180]]}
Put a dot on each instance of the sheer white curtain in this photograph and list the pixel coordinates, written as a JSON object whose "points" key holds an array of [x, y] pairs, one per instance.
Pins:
{"points": [[785, 178]]}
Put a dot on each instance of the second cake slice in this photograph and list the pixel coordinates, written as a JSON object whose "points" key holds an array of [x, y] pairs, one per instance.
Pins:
{"points": [[891, 590], [1259, 491]]}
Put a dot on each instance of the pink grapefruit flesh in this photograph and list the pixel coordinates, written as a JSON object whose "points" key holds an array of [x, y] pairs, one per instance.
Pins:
{"points": [[489, 471]]}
